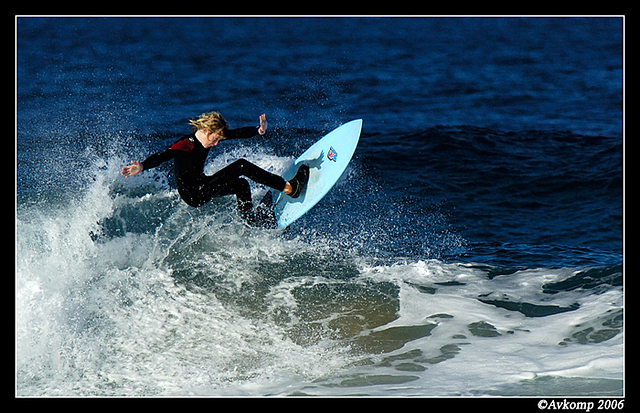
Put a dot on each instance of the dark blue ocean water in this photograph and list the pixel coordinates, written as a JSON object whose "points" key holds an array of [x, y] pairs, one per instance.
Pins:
{"points": [[492, 150]]}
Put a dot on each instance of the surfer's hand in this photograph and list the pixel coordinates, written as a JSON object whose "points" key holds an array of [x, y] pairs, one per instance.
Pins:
{"points": [[133, 169], [263, 124]]}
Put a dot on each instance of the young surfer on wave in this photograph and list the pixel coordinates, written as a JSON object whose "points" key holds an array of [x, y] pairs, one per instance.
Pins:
{"points": [[190, 153]]}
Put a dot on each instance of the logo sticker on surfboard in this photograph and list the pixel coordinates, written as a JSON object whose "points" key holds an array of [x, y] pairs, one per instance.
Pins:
{"points": [[332, 155]]}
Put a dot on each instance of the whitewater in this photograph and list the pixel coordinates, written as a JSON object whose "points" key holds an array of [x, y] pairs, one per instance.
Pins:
{"points": [[125, 290]]}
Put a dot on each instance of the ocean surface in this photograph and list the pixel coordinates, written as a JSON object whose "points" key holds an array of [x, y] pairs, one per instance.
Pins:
{"points": [[474, 246]]}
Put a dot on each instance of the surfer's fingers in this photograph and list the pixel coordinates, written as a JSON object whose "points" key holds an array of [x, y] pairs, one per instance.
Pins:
{"points": [[130, 170]]}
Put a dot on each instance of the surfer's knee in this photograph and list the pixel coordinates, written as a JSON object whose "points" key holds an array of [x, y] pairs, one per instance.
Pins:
{"points": [[240, 164]]}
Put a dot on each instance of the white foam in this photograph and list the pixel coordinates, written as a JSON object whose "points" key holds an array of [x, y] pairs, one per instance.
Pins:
{"points": [[107, 317], [527, 347]]}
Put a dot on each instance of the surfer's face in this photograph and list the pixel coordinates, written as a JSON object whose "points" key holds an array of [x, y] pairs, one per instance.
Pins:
{"points": [[214, 138], [208, 139]]}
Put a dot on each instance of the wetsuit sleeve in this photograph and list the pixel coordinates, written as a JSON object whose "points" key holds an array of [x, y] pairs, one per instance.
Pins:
{"points": [[242, 133], [158, 158]]}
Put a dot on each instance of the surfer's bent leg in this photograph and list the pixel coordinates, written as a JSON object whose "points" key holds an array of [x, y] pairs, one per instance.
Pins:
{"points": [[242, 167], [228, 181], [215, 187]]}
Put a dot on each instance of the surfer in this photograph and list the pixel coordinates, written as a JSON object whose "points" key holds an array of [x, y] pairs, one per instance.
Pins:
{"points": [[190, 153]]}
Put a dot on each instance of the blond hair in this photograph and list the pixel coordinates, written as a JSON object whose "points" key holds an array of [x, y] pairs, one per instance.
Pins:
{"points": [[212, 122]]}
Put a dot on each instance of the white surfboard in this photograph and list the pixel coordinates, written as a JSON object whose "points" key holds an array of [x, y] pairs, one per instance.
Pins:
{"points": [[327, 159]]}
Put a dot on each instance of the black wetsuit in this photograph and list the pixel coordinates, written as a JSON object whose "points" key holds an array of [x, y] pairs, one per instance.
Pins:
{"points": [[196, 188]]}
